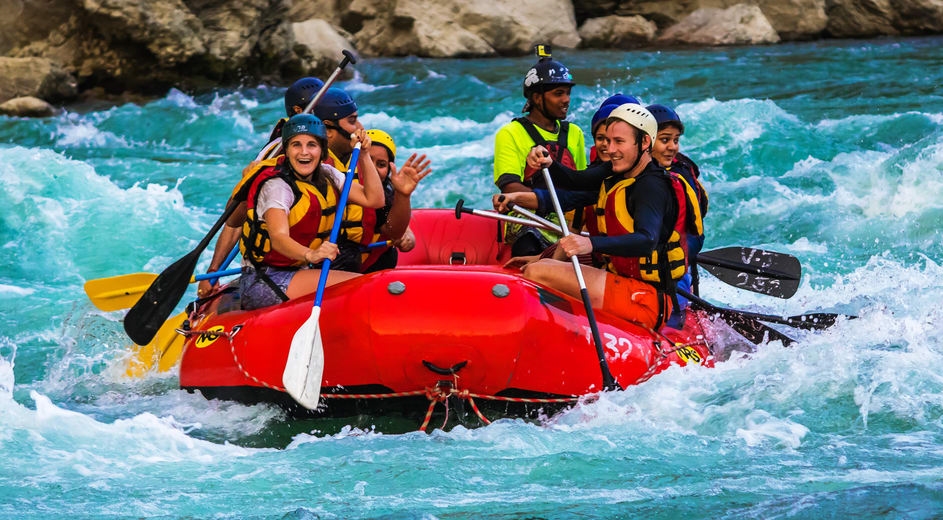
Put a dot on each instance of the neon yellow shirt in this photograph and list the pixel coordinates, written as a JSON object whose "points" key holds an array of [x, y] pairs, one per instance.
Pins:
{"points": [[512, 144]]}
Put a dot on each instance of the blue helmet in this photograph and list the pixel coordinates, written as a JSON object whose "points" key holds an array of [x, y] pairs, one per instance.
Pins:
{"points": [[600, 116], [336, 104], [666, 115], [620, 99], [303, 124], [300, 94]]}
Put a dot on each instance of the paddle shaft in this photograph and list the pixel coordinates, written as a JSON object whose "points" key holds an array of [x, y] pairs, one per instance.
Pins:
{"points": [[274, 147], [348, 58], [145, 318], [609, 382], [460, 208], [811, 321], [338, 218]]}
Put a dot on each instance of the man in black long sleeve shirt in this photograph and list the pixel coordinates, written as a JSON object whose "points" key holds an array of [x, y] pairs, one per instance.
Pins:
{"points": [[641, 215]]}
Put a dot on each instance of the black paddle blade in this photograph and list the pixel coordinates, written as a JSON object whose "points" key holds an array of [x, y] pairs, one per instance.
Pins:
{"points": [[813, 321], [150, 312], [756, 270], [751, 329]]}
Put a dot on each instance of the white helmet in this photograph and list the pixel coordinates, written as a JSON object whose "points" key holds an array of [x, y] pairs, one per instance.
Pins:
{"points": [[637, 116]]}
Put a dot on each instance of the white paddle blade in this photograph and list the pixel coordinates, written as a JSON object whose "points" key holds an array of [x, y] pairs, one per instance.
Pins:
{"points": [[305, 364]]}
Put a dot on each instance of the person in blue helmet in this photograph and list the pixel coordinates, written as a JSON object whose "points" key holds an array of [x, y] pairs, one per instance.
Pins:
{"points": [[638, 250], [291, 204], [297, 97], [666, 151], [546, 87], [341, 119], [597, 152]]}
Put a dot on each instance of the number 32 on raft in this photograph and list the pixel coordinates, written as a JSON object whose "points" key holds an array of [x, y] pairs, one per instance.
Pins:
{"points": [[613, 343]]}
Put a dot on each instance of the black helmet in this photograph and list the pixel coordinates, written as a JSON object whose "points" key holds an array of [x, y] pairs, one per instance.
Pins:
{"points": [[665, 115], [336, 104], [545, 75], [300, 93]]}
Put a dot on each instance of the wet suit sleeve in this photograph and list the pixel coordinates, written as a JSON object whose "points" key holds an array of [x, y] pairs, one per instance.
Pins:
{"points": [[648, 204], [589, 179], [568, 200]]}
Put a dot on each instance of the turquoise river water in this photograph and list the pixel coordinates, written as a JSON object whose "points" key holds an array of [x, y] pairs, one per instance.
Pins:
{"points": [[829, 151]]}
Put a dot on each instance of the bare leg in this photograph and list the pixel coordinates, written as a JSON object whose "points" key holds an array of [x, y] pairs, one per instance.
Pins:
{"points": [[560, 276], [306, 281]]}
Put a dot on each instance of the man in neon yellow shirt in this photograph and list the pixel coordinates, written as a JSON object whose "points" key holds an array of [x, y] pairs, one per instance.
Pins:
{"points": [[547, 87]]}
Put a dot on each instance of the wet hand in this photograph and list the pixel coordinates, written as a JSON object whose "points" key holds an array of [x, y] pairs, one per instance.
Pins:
{"points": [[406, 242], [500, 201], [325, 250], [538, 158], [204, 288], [405, 179], [574, 245], [360, 136]]}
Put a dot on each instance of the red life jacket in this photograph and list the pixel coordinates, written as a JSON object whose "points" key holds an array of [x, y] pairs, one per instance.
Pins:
{"points": [[558, 150], [310, 217], [667, 263], [360, 224]]}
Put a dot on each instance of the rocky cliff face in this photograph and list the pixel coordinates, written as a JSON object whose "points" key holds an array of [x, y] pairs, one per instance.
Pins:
{"points": [[57, 50]]}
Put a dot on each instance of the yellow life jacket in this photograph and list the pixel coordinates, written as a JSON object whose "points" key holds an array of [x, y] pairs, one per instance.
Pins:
{"points": [[310, 217], [668, 261], [360, 224]]}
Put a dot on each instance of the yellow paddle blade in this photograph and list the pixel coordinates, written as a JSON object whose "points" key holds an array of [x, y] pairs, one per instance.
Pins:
{"points": [[118, 292], [162, 353]]}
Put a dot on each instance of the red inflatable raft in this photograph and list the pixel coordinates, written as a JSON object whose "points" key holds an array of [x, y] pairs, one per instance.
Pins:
{"points": [[449, 325]]}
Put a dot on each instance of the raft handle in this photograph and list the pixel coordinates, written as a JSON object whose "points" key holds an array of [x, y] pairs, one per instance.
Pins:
{"points": [[445, 371]]}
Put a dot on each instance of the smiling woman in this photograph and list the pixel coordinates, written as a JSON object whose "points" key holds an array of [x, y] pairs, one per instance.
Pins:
{"points": [[292, 201]]}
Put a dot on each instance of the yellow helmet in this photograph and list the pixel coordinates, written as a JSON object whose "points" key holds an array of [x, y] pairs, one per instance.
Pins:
{"points": [[383, 139]]}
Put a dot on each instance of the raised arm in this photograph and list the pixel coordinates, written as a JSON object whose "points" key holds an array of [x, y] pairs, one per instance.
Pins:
{"points": [[369, 192]]}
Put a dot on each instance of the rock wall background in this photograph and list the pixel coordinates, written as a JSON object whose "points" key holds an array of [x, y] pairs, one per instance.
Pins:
{"points": [[56, 52]]}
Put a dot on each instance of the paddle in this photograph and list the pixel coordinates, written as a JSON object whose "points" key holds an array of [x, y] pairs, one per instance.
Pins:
{"points": [[123, 291], [118, 292], [460, 208], [164, 350], [305, 364], [764, 272], [609, 383], [274, 146], [156, 304], [757, 270], [158, 301], [811, 321]]}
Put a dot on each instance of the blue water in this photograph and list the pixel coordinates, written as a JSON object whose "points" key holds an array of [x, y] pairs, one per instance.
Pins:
{"points": [[832, 152]]}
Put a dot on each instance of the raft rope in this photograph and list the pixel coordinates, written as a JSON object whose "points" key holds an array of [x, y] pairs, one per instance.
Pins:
{"points": [[440, 393]]}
